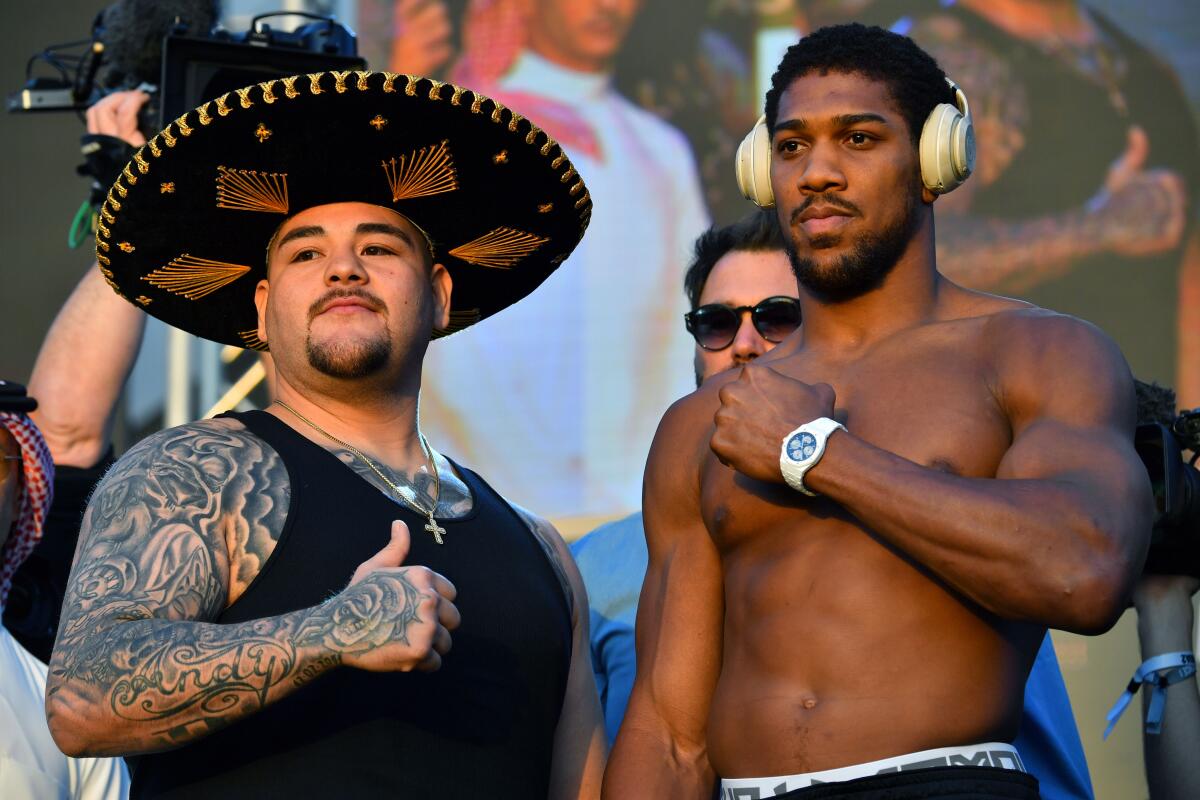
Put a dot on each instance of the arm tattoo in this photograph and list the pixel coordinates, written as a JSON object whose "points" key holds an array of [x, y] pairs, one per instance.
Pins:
{"points": [[547, 537]]}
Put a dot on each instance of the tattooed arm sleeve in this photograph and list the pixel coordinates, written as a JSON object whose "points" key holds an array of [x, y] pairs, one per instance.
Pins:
{"points": [[138, 665]]}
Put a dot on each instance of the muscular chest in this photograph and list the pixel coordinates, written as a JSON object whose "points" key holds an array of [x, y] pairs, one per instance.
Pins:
{"points": [[929, 401]]}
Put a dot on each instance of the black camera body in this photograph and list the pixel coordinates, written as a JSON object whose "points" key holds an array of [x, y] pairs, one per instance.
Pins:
{"points": [[1175, 539]]}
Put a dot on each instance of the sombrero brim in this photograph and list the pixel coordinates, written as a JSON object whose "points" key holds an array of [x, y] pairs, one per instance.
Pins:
{"points": [[184, 231]]}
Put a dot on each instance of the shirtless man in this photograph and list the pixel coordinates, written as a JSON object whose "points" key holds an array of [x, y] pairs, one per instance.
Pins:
{"points": [[983, 489]]}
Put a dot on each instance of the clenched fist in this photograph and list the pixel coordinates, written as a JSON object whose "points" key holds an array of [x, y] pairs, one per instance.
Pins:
{"points": [[757, 411]]}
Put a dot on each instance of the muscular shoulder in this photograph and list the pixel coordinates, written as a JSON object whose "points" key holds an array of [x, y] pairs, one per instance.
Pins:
{"points": [[559, 555], [1046, 360]]}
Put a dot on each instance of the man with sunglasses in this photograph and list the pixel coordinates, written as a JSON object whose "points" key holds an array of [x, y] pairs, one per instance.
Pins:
{"points": [[857, 542], [742, 294]]}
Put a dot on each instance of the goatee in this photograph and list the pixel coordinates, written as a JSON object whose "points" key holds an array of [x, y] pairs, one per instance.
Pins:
{"points": [[349, 359]]}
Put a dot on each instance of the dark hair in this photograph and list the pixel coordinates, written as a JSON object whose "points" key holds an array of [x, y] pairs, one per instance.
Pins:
{"points": [[756, 232], [915, 81]]}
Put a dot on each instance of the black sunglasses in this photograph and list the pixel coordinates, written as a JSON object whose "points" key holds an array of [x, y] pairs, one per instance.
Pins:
{"points": [[715, 326]]}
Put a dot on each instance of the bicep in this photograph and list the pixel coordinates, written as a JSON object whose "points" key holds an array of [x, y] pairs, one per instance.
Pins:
{"points": [[1070, 400]]}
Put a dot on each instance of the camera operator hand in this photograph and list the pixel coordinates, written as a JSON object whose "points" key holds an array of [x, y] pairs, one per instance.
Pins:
{"points": [[1165, 625], [117, 115]]}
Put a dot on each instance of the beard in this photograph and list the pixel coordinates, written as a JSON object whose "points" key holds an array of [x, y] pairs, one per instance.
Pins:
{"points": [[348, 359], [864, 268]]}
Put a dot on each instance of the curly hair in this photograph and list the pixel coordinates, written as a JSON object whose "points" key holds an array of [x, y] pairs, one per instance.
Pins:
{"points": [[756, 232], [914, 79]]}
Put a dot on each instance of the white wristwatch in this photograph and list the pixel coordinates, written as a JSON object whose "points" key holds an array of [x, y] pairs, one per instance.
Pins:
{"points": [[803, 448]]}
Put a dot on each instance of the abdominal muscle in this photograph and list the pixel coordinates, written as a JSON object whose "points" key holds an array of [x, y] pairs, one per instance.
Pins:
{"points": [[837, 651]]}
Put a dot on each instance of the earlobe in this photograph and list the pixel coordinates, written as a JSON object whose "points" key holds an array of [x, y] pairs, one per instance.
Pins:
{"points": [[927, 197], [261, 291], [443, 288]]}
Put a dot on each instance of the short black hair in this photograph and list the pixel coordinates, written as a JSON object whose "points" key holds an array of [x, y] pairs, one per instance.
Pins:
{"points": [[914, 79], [756, 232]]}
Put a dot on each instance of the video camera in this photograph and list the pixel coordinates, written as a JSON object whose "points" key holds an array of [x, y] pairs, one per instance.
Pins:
{"points": [[1161, 439], [172, 50]]}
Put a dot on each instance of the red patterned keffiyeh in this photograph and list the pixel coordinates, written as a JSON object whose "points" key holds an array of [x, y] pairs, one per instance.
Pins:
{"points": [[36, 494]]}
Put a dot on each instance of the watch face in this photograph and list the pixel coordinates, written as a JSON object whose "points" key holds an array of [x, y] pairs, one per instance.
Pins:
{"points": [[801, 446]]}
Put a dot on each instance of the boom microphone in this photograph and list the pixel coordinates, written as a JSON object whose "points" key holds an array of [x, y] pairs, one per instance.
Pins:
{"points": [[133, 31]]}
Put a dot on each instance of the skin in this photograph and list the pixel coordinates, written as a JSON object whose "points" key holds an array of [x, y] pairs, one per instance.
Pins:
{"points": [[971, 505], [185, 521], [743, 278], [583, 35], [1165, 625]]}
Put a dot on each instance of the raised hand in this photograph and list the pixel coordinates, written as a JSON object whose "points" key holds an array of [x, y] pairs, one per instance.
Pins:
{"points": [[1141, 212], [390, 618], [757, 411]]}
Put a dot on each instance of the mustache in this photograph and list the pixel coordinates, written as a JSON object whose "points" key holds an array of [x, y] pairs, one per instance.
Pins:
{"points": [[827, 199], [372, 302]]}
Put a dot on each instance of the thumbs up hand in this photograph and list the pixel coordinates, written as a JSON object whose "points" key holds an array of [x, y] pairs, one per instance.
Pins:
{"points": [[391, 617]]}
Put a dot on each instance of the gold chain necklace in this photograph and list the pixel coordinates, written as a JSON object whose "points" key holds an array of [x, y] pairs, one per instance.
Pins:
{"points": [[431, 526]]}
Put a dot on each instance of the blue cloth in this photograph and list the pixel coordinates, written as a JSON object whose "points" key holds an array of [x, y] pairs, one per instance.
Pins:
{"points": [[613, 560]]}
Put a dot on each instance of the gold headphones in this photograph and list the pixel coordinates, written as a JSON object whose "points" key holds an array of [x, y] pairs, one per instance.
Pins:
{"points": [[947, 152]]}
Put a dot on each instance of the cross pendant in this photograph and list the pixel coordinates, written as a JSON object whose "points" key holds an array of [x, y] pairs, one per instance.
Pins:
{"points": [[435, 529]]}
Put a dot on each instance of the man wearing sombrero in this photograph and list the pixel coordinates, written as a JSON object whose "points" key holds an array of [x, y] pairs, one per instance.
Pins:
{"points": [[342, 220]]}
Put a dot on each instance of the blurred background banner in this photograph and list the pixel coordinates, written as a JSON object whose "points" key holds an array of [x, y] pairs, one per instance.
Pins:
{"points": [[1081, 202]]}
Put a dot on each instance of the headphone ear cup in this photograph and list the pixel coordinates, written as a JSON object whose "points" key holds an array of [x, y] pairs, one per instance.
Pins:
{"points": [[947, 149], [752, 165]]}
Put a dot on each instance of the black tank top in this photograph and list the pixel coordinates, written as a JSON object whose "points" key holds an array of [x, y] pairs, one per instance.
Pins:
{"points": [[481, 726]]}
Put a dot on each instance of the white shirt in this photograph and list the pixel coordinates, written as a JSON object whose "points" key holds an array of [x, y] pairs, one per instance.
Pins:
{"points": [[556, 399], [31, 766]]}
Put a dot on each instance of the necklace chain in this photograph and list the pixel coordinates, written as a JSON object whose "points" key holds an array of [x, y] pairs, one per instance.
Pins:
{"points": [[432, 525]]}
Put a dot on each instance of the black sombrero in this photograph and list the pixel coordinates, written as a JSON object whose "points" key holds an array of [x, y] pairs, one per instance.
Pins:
{"points": [[184, 230]]}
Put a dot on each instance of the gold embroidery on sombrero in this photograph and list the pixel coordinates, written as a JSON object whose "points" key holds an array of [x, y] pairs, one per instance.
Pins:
{"points": [[222, 105], [129, 176], [202, 112], [167, 188], [103, 231], [501, 248], [142, 300], [362, 84], [512, 122], [262, 132], [545, 208], [126, 247], [585, 199], [109, 217], [421, 173], [167, 136], [410, 84], [566, 176], [500, 158], [314, 82], [181, 123], [251, 339], [193, 277], [112, 201], [389, 81], [378, 122], [558, 259], [477, 103], [121, 190], [576, 189], [435, 91], [458, 320], [251, 190], [339, 81], [557, 162], [548, 146], [534, 130], [244, 96], [455, 98], [497, 111], [154, 148], [289, 87], [102, 245], [142, 165], [268, 91]]}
